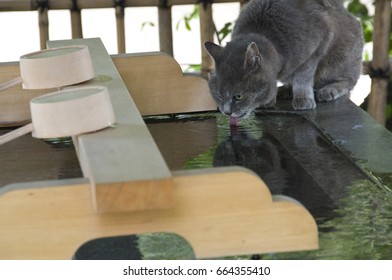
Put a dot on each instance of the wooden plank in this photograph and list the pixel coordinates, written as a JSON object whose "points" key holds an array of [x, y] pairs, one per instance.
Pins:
{"points": [[158, 85], [220, 211], [125, 168]]}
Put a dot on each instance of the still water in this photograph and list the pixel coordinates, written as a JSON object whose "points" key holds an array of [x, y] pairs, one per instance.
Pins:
{"points": [[294, 158]]}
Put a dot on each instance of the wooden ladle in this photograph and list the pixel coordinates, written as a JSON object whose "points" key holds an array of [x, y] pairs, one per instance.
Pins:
{"points": [[53, 68], [69, 112]]}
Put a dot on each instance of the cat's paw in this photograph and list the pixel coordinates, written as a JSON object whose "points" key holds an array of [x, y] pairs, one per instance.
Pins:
{"points": [[330, 93], [304, 103]]}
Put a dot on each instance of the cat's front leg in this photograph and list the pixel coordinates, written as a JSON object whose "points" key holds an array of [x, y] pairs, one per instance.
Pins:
{"points": [[303, 96], [304, 101]]}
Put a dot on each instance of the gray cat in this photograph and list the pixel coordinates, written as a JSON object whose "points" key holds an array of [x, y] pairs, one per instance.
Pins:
{"points": [[314, 46]]}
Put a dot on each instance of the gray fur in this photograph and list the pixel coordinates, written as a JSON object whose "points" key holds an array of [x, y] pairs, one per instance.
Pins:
{"points": [[314, 46]]}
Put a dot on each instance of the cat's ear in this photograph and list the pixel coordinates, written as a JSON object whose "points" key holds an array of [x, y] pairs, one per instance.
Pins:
{"points": [[213, 49], [252, 56]]}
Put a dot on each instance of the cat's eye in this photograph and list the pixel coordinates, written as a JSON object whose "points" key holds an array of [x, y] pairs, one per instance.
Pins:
{"points": [[238, 97]]}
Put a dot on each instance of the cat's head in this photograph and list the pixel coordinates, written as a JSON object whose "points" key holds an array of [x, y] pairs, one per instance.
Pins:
{"points": [[243, 78]]}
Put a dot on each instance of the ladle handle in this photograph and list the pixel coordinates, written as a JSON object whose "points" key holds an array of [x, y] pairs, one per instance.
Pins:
{"points": [[10, 83], [16, 133]]}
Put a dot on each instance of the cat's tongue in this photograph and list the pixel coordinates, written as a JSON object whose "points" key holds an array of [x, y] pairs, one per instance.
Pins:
{"points": [[233, 121]]}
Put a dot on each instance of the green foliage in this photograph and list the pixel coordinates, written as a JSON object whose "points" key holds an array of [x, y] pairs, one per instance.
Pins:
{"points": [[361, 11], [147, 23], [225, 31], [188, 18], [192, 68]]}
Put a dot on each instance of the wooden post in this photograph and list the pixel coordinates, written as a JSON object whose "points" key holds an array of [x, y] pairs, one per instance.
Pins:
{"points": [[207, 31], [165, 28], [380, 63], [43, 22], [120, 15], [76, 21]]}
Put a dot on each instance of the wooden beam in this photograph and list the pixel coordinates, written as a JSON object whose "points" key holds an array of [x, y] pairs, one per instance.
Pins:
{"points": [[76, 23], [165, 30], [43, 23], [381, 36], [124, 165], [220, 211], [120, 24], [207, 31]]}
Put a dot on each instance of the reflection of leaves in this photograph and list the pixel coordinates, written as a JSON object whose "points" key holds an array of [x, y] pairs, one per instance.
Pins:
{"points": [[362, 230], [164, 246]]}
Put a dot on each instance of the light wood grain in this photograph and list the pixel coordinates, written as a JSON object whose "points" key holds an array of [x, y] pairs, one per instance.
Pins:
{"points": [[70, 112], [15, 102], [56, 67], [158, 86], [220, 211], [125, 167]]}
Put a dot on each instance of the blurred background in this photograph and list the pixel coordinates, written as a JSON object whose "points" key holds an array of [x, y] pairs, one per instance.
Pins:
{"points": [[141, 30]]}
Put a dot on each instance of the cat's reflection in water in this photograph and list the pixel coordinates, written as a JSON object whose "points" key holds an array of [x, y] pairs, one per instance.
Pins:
{"points": [[282, 174], [263, 156]]}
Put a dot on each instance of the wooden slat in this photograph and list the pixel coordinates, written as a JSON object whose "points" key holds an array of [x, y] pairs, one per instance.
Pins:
{"points": [[158, 85], [165, 30], [76, 23], [43, 23], [221, 212], [206, 34], [120, 24], [124, 166]]}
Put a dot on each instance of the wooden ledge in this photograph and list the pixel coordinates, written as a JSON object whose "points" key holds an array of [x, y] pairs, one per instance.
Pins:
{"points": [[219, 211]]}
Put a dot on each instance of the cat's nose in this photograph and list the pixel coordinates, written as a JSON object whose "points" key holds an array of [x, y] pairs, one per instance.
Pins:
{"points": [[226, 109]]}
